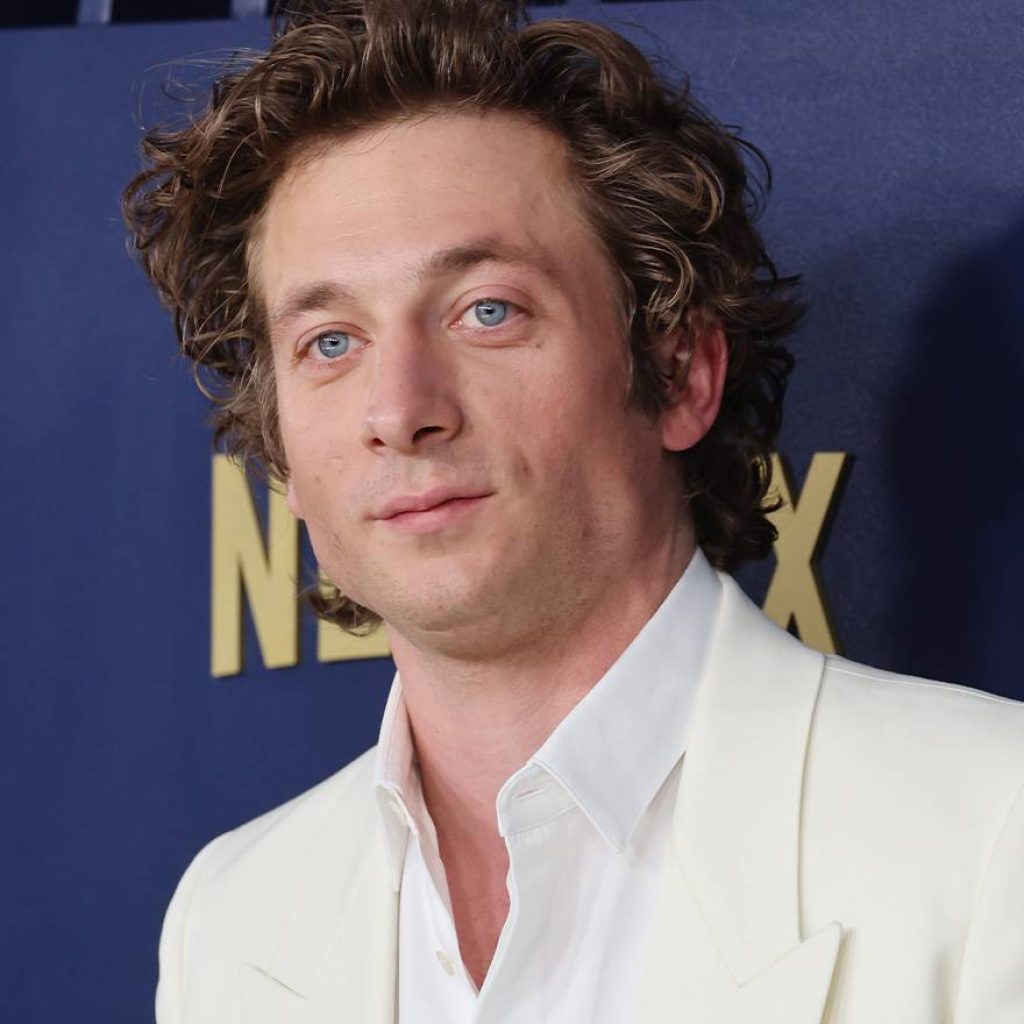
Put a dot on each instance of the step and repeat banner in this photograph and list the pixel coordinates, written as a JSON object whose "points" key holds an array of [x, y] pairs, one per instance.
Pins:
{"points": [[161, 682]]}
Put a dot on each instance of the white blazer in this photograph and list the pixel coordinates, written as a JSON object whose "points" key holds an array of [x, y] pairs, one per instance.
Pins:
{"points": [[848, 849]]}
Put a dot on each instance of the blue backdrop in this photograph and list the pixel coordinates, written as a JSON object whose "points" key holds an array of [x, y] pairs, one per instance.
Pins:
{"points": [[896, 133]]}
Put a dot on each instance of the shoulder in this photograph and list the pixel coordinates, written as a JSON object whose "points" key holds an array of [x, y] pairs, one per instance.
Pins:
{"points": [[264, 855], [344, 799], [912, 813], [951, 747], [232, 903], [906, 706]]}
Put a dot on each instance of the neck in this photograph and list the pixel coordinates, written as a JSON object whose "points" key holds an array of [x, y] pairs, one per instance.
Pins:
{"points": [[475, 722]]}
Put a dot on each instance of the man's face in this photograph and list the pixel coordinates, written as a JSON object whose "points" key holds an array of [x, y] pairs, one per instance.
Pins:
{"points": [[451, 381]]}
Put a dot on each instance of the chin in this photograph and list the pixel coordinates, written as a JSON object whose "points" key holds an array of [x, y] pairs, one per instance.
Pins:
{"points": [[447, 605], [433, 611]]}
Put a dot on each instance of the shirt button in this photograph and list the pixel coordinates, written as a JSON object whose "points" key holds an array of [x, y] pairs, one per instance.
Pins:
{"points": [[446, 962]]}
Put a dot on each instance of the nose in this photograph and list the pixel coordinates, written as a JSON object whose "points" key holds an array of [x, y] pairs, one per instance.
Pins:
{"points": [[412, 401]]}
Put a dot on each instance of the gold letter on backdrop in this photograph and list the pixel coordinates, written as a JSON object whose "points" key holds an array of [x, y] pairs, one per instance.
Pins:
{"points": [[265, 572], [268, 571], [795, 592]]}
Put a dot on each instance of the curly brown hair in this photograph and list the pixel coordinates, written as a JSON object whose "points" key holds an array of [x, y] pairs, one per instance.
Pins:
{"points": [[671, 193]]}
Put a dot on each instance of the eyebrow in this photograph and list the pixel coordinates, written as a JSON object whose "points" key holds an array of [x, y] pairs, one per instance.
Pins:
{"points": [[323, 294]]}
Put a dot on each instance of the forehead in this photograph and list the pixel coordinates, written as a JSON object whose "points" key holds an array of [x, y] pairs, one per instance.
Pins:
{"points": [[386, 198]]}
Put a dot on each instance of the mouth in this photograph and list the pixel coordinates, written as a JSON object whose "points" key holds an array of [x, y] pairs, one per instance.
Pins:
{"points": [[430, 510]]}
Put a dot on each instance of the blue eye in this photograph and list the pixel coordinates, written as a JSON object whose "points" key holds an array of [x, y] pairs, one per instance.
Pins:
{"points": [[490, 312], [332, 344]]}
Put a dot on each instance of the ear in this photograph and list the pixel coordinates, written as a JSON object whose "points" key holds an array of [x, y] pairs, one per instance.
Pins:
{"points": [[699, 358], [293, 499]]}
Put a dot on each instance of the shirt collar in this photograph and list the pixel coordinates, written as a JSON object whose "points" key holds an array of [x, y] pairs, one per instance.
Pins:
{"points": [[613, 751], [396, 782]]}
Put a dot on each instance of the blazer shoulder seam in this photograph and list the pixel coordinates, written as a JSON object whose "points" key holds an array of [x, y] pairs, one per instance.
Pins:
{"points": [[884, 676]]}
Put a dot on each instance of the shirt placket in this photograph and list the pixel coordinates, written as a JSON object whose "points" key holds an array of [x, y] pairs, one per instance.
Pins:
{"points": [[446, 946], [529, 807]]}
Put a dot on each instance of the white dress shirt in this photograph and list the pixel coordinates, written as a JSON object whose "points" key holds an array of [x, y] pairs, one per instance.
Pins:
{"points": [[586, 822]]}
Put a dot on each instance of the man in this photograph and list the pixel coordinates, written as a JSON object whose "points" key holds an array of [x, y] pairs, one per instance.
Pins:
{"points": [[487, 299]]}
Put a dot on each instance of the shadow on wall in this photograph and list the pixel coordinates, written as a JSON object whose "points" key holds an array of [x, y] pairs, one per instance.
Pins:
{"points": [[955, 465]]}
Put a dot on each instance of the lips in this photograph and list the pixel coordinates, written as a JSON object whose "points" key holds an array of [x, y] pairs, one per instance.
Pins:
{"points": [[427, 500]]}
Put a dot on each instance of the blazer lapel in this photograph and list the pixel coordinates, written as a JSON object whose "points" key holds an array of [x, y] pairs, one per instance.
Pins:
{"points": [[337, 955], [726, 946]]}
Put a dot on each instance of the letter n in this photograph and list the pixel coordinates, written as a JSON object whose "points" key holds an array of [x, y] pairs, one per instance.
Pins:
{"points": [[264, 569]]}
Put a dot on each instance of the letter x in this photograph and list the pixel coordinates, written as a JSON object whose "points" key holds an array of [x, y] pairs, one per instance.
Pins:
{"points": [[795, 594]]}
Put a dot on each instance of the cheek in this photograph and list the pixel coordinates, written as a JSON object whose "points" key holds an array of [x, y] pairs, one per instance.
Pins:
{"points": [[320, 478], [335, 534], [315, 426], [563, 427]]}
